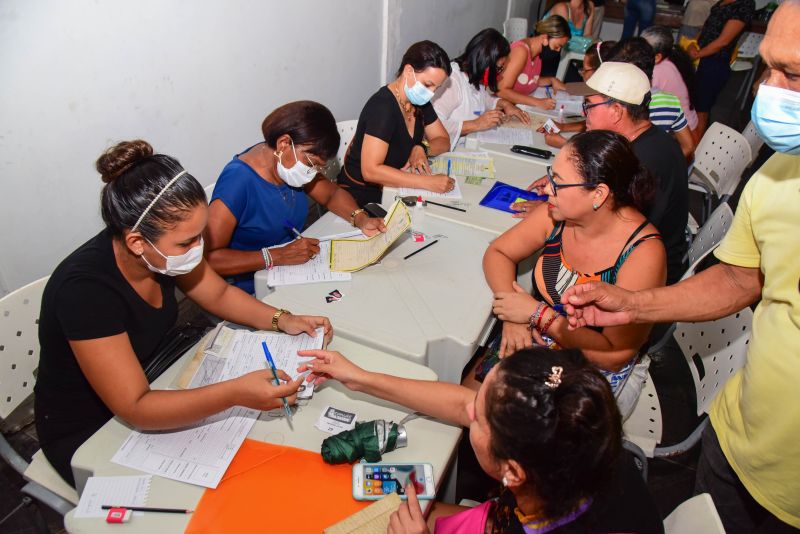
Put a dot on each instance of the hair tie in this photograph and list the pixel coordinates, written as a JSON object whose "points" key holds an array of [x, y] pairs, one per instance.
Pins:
{"points": [[554, 380], [147, 209]]}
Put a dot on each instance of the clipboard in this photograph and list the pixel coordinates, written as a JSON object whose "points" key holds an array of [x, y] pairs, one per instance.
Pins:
{"points": [[502, 195]]}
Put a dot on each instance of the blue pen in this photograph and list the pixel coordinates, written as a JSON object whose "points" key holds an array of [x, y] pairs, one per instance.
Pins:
{"points": [[448, 167], [289, 226], [477, 113], [277, 380], [547, 90]]}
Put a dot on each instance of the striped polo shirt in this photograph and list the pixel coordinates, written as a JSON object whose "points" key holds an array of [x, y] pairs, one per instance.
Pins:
{"points": [[666, 112]]}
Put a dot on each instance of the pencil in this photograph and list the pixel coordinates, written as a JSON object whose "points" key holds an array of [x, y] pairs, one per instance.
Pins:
{"points": [[277, 380], [423, 248], [148, 509], [445, 206]]}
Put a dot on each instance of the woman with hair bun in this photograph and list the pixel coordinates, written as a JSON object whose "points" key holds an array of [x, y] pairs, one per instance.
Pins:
{"points": [[591, 228], [108, 306], [544, 424]]}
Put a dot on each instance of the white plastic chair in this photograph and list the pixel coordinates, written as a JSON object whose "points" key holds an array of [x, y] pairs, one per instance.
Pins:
{"points": [[209, 189], [720, 159], [697, 515], [515, 29], [19, 358], [347, 129], [753, 140], [714, 350], [708, 237]]}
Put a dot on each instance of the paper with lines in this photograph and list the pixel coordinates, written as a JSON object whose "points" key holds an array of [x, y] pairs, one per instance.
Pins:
{"points": [[112, 491], [315, 270]]}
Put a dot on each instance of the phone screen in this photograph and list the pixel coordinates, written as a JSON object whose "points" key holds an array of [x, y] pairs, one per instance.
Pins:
{"points": [[384, 479]]}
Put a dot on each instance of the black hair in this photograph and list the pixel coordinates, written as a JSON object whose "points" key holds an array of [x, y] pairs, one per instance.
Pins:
{"points": [[606, 157], [598, 52], [307, 123], [637, 112], [565, 438], [483, 52], [660, 38], [425, 54], [637, 51], [134, 176]]}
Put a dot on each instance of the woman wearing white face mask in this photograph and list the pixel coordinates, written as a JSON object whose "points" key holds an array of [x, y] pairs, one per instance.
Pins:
{"points": [[108, 305], [392, 126], [262, 194]]}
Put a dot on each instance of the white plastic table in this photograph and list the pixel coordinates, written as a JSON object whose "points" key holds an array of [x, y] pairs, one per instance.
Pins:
{"points": [[433, 309], [428, 441]]}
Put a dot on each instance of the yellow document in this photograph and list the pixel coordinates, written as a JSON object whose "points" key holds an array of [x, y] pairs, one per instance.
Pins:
{"points": [[374, 519], [348, 255]]}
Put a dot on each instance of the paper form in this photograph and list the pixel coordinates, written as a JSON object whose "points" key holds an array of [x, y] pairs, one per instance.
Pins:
{"points": [[507, 136], [464, 164], [455, 194], [353, 254], [201, 453], [112, 491], [317, 269]]}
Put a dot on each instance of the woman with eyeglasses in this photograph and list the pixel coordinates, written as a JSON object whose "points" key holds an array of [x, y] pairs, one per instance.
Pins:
{"points": [[388, 148], [590, 228], [261, 196], [464, 102], [523, 70]]}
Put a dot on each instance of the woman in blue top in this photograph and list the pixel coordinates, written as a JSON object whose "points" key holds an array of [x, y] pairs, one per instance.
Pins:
{"points": [[262, 194]]}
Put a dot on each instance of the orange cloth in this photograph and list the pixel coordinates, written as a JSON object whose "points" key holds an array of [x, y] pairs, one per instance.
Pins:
{"points": [[273, 488]]}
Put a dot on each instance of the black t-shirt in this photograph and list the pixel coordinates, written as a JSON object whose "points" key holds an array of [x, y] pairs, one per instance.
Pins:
{"points": [[669, 210], [382, 118], [87, 297], [720, 14]]}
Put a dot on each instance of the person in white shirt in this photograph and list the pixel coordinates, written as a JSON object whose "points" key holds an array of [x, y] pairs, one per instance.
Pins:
{"points": [[465, 102]]}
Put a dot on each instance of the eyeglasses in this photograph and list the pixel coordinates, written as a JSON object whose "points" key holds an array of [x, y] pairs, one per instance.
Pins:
{"points": [[316, 169], [556, 186], [583, 71], [586, 106]]}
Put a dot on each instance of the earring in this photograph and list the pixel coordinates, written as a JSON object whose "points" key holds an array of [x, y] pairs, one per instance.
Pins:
{"points": [[595, 207], [505, 481]]}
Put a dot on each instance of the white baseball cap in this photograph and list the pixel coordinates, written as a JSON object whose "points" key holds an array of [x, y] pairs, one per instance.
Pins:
{"points": [[624, 82]]}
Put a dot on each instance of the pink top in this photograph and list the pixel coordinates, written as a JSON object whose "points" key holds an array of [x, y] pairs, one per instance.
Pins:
{"points": [[667, 78], [470, 521], [528, 79]]}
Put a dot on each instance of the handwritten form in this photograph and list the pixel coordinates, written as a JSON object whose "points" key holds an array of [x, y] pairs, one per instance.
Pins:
{"points": [[354, 254], [455, 194], [503, 135], [201, 453], [317, 269], [112, 491]]}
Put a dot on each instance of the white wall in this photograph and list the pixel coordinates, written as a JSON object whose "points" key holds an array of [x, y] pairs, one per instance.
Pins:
{"points": [[195, 78]]}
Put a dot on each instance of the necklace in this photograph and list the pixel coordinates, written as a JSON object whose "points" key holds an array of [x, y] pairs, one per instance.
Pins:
{"points": [[407, 110], [639, 131]]}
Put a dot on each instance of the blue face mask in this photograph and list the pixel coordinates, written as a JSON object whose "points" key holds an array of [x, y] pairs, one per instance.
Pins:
{"points": [[776, 116], [418, 94]]}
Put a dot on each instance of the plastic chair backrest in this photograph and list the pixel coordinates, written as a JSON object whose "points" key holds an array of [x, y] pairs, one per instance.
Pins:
{"points": [[753, 140], [19, 344], [720, 158], [714, 350], [709, 235], [698, 515], [209, 189], [644, 426], [347, 129], [515, 29]]}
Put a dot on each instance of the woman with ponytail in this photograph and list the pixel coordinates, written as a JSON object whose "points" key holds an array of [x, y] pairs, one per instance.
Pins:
{"points": [[544, 425], [591, 228]]}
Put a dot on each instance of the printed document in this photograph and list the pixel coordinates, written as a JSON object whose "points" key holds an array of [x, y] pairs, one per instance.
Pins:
{"points": [[504, 135], [112, 491], [317, 269]]}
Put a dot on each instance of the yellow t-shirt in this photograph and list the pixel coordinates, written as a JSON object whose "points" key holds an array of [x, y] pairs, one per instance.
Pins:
{"points": [[757, 413]]}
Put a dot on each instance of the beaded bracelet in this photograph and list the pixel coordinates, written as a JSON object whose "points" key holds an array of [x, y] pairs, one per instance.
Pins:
{"points": [[534, 318], [268, 263], [549, 323]]}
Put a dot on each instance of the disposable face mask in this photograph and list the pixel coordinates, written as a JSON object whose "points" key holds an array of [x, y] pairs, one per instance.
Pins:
{"points": [[418, 94], [177, 265], [300, 173], [776, 116]]}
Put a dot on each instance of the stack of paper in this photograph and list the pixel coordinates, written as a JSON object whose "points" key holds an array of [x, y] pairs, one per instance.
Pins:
{"points": [[502, 135], [317, 269]]}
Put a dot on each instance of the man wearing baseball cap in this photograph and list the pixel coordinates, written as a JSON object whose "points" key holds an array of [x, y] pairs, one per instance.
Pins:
{"points": [[621, 105]]}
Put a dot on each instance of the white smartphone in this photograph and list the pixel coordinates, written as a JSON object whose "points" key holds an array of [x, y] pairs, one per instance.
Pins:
{"points": [[372, 481]]}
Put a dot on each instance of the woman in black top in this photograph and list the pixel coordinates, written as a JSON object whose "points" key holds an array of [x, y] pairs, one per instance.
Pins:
{"points": [[725, 22], [107, 306], [386, 149]]}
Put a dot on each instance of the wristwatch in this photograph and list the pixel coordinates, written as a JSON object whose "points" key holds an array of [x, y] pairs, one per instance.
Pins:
{"points": [[277, 316], [354, 215]]}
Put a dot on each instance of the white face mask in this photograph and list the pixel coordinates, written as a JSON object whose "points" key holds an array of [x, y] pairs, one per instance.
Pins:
{"points": [[300, 173], [177, 265]]}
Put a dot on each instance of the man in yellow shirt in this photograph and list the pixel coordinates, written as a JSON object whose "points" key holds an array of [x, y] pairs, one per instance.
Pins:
{"points": [[750, 460]]}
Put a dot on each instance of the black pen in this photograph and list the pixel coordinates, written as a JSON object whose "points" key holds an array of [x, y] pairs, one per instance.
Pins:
{"points": [[445, 206], [148, 509], [423, 248]]}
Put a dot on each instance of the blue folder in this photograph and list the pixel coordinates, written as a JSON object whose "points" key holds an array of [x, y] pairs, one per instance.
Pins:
{"points": [[501, 195]]}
